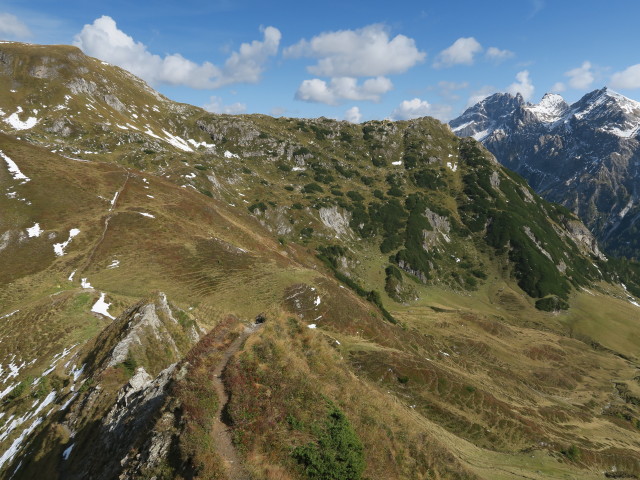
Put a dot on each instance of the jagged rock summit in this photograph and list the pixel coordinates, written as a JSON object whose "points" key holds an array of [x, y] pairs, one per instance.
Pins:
{"points": [[583, 155]]}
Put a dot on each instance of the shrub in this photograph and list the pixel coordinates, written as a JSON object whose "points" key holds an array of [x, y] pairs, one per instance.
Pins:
{"points": [[312, 188], [355, 196], [257, 206], [551, 304], [337, 454]]}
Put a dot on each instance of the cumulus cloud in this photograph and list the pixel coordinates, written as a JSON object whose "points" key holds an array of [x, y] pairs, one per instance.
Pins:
{"points": [[496, 55], [103, 39], [417, 108], [12, 27], [448, 89], [365, 52], [581, 77], [337, 90], [628, 78], [461, 52], [522, 85], [558, 87], [215, 105], [353, 115]]}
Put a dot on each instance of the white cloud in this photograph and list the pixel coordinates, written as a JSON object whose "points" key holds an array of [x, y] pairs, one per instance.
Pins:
{"points": [[480, 94], [496, 55], [581, 77], [215, 105], [104, 40], [461, 52], [342, 88], [277, 111], [12, 27], [628, 78], [366, 52], [447, 89], [522, 85], [558, 87], [353, 115], [417, 108]]}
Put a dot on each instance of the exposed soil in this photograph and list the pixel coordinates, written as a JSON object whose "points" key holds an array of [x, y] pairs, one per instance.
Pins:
{"points": [[220, 431]]}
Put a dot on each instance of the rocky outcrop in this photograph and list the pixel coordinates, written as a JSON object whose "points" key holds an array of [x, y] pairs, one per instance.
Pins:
{"points": [[441, 228], [336, 220]]}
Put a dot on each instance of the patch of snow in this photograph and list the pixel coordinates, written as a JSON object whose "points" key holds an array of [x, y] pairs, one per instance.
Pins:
{"points": [[67, 452], [147, 214], [102, 307], [312, 326], [17, 124], [113, 200], [551, 108], [68, 402], [201, 144], [177, 142], [461, 127], [122, 127], [46, 402], [479, 136], [317, 301], [58, 248], [298, 169], [15, 446], [34, 231], [452, 166], [7, 316], [71, 276], [151, 134], [228, 154], [114, 264], [13, 169], [151, 196], [76, 372], [399, 162], [84, 283]]}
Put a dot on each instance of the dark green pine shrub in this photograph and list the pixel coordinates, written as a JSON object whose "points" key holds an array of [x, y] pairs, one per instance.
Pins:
{"points": [[551, 304], [337, 454]]}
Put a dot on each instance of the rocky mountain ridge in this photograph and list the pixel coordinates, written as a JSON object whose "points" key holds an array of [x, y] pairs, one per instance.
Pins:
{"points": [[584, 155], [417, 298]]}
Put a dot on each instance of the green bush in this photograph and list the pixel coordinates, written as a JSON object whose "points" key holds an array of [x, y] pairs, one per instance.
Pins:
{"points": [[355, 196], [312, 188], [337, 454], [551, 304], [257, 206]]}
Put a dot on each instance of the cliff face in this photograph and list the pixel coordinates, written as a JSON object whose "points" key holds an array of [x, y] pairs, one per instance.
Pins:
{"points": [[585, 156]]}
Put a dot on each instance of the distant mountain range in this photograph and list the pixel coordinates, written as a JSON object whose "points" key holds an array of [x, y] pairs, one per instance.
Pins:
{"points": [[584, 155]]}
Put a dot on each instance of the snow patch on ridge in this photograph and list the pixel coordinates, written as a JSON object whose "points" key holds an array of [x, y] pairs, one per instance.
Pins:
{"points": [[102, 307], [59, 248], [17, 124], [13, 169]]}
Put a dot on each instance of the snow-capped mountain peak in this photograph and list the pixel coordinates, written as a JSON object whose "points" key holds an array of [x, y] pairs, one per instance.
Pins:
{"points": [[551, 108], [583, 155]]}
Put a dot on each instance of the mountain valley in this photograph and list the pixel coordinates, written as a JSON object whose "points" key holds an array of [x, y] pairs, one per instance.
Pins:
{"points": [[194, 295]]}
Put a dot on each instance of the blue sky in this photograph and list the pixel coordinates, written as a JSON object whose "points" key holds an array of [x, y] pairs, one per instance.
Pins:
{"points": [[353, 60]]}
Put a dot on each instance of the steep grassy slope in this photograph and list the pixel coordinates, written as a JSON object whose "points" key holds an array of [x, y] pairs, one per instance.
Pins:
{"points": [[398, 267]]}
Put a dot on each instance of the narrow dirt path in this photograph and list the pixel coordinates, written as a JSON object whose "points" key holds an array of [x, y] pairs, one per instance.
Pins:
{"points": [[89, 258], [220, 431]]}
